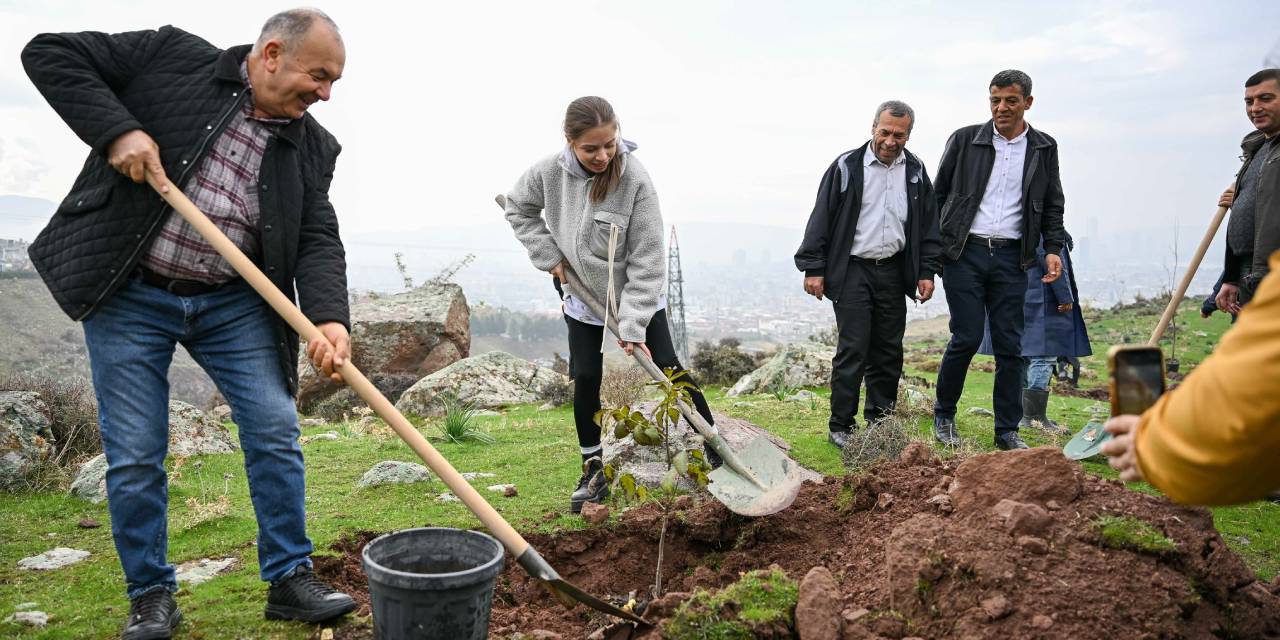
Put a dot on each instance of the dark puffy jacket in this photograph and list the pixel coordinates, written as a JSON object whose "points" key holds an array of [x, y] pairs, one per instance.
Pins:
{"points": [[1266, 213], [182, 91], [962, 180], [828, 237]]}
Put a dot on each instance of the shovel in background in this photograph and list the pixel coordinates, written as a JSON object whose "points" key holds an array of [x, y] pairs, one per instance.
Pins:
{"points": [[515, 544], [1088, 441], [756, 481]]}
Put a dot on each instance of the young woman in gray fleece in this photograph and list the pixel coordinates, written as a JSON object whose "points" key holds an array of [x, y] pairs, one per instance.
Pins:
{"points": [[591, 207]]}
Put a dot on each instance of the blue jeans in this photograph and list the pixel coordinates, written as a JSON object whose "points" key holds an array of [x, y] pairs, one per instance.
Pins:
{"points": [[231, 334], [1039, 370]]}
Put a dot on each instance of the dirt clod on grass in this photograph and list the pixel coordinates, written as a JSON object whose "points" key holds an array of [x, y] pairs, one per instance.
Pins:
{"points": [[1027, 547]]}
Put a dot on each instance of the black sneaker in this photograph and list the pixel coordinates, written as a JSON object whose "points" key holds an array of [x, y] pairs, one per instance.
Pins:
{"points": [[592, 486], [152, 616], [304, 597], [1010, 440], [839, 438], [944, 431]]}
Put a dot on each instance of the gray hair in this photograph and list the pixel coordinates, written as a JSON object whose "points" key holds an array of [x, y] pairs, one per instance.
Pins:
{"points": [[897, 109], [1010, 77], [291, 25]]}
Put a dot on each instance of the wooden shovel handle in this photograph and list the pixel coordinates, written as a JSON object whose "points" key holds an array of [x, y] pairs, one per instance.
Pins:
{"points": [[510, 538], [1194, 265]]}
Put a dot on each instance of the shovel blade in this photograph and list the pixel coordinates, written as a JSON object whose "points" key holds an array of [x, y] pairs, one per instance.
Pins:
{"points": [[779, 474], [1087, 442], [568, 593]]}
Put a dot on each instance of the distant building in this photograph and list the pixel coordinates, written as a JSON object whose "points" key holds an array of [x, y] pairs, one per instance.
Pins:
{"points": [[13, 256]]}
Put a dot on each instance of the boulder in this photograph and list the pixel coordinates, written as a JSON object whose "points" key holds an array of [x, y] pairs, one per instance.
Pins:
{"points": [[392, 472], [397, 340], [490, 381], [648, 463], [799, 364], [25, 436], [193, 432], [91, 483]]}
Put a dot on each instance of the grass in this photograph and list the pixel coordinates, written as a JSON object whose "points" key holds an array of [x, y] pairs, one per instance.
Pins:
{"points": [[760, 598], [459, 423], [535, 450], [1127, 532]]}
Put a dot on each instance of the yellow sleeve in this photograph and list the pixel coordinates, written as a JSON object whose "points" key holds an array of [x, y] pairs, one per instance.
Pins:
{"points": [[1215, 439]]}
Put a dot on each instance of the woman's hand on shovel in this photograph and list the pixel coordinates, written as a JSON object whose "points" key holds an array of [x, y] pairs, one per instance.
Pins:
{"points": [[628, 347], [330, 354]]}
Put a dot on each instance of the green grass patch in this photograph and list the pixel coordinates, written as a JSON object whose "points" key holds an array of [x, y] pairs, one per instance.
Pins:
{"points": [[759, 598], [1132, 534]]}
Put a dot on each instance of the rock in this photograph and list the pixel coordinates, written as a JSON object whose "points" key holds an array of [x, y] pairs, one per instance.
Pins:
{"points": [[818, 606], [88, 523], [803, 395], [996, 606], [26, 606], [884, 500], [1033, 545], [981, 411], [488, 381], [1041, 621], [648, 464], [1030, 475], [507, 490], [311, 422], [666, 605], [221, 413], [392, 472], [1021, 518], [91, 482], [546, 406], [25, 436], [192, 432], [448, 497], [36, 619], [199, 571], [595, 513], [917, 399], [742, 405], [543, 634], [799, 364], [402, 337], [942, 502], [328, 435], [1053, 505], [853, 615], [916, 454], [53, 559], [473, 475]]}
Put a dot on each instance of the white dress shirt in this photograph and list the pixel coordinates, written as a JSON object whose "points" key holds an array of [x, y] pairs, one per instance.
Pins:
{"points": [[880, 232], [1000, 213]]}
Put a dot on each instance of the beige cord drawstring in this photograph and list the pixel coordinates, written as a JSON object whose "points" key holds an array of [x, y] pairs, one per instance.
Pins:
{"points": [[610, 301]]}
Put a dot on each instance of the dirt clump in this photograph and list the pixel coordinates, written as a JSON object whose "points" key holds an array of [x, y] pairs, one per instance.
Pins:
{"points": [[1033, 567]]}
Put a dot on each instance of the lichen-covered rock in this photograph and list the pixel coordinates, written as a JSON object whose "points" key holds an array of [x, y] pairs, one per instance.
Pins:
{"points": [[488, 381], [392, 472], [799, 364], [25, 437], [193, 432], [397, 340], [91, 483]]}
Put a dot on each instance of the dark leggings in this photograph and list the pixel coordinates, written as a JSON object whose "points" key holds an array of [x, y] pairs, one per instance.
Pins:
{"points": [[586, 366]]}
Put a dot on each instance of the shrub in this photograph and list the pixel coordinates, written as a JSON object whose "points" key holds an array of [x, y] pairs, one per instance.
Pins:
{"points": [[622, 386], [458, 424], [722, 363], [72, 411], [558, 393]]}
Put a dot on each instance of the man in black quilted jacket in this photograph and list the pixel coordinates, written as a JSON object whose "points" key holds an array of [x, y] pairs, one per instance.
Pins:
{"points": [[231, 129]]}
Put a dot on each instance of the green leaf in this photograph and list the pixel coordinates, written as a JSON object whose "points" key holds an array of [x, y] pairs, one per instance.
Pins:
{"points": [[628, 483], [669, 481], [599, 417], [609, 472], [642, 493], [673, 413], [620, 430], [681, 463]]}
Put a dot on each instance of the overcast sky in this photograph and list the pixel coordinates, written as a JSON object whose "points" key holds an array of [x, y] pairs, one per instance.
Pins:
{"points": [[738, 107]]}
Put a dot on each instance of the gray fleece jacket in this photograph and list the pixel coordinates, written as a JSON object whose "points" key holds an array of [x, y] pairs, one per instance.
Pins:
{"points": [[551, 212]]}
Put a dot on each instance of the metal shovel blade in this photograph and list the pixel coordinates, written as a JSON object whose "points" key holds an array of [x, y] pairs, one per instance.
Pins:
{"points": [[568, 593], [765, 462]]}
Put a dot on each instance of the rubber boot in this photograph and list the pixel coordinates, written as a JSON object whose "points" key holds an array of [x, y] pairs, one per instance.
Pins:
{"points": [[1035, 403]]}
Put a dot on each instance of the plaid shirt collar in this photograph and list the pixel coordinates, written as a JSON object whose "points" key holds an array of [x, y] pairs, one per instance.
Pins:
{"points": [[244, 76]]}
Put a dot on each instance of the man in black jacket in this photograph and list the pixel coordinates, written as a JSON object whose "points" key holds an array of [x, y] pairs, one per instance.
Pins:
{"points": [[999, 192], [871, 240], [1253, 231], [231, 127]]}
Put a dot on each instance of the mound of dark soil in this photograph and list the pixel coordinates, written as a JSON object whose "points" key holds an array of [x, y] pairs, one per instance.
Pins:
{"points": [[998, 545]]}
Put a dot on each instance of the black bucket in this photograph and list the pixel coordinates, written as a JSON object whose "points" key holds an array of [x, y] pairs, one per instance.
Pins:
{"points": [[432, 583]]}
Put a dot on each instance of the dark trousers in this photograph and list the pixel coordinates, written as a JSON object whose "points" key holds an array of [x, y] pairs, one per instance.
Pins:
{"points": [[586, 366], [984, 283], [871, 316]]}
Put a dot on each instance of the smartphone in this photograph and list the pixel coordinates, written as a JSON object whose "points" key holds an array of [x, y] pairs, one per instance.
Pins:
{"points": [[1137, 378]]}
